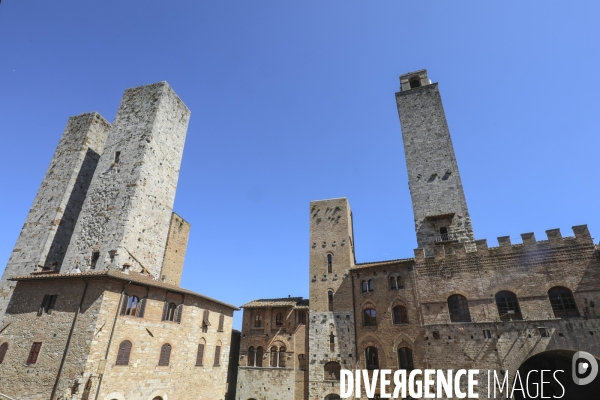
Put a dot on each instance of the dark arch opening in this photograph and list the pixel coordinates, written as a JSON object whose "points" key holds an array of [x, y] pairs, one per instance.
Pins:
{"points": [[414, 83], [554, 360]]}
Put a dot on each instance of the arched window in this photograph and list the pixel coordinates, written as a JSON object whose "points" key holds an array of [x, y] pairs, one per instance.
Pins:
{"points": [[330, 299], [414, 82], [165, 355], [396, 283], [508, 306], [405, 359], [277, 357], [251, 361], [124, 352], [172, 312], [369, 317], [329, 263], [400, 315], [370, 285], [3, 350], [331, 341], [282, 355], [157, 398], [274, 357], [458, 307], [133, 306], [332, 371], [366, 285], [563, 303], [259, 356], [372, 358], [332, 396], [279, 320]]}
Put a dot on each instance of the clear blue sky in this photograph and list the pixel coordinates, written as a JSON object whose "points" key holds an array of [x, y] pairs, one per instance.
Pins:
{"points": [[293, 101]]}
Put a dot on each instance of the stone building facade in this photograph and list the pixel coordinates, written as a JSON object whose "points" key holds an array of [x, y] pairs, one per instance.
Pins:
{"points": [[458, 303], [91, 304]]}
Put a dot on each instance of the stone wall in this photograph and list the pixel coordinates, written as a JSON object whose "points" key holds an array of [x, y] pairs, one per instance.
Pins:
{"points": [[265, 383], [126, 215], [177, 239]]}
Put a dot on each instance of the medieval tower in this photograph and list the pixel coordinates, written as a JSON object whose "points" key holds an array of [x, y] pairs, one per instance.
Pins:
{"points": [[438, 199]]}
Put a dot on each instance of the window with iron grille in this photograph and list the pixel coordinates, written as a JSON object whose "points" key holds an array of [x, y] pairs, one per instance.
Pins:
{"points": [[200, 355], [123, 353], [332, 371], [563, 302], [370, 317], [458, 307], [508, 306], [47, 304], [372, 358], [3, 350], [400, 315], [165, 355], [405, 359], [221, 321], [217, 356], [34, 352]]}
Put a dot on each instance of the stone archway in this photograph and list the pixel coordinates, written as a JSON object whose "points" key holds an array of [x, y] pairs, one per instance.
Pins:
{"points": [[554, 360]]}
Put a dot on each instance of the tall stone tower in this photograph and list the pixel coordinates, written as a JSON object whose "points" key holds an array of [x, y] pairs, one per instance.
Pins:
{"points": [[331, 334], [438, 199], [124, 222], [49, 226]]}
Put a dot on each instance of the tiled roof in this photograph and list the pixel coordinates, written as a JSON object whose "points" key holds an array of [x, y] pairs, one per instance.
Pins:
{"points": [[296, 302], [134, 277], [381, 263]]}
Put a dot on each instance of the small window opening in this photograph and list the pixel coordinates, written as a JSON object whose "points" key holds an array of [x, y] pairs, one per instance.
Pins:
{"points": [[95, 257], [34, 352], [415, 83], [544, 332], [487, 334], [117, 157], [329, 263], [331, 342], [330, 299], [436, 334]]}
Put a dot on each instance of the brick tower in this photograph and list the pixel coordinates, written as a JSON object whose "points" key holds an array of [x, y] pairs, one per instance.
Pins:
{"points": [[331, 316], [125, 219], [438, 199]]}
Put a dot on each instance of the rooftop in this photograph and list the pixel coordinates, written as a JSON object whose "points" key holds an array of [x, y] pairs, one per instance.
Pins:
{"points": [[296, 302]]}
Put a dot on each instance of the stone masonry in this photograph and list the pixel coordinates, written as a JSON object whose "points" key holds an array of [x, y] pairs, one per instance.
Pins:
{"points": [[179, 232]]}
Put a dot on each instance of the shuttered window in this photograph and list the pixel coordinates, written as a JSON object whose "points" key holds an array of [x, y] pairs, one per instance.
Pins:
{"points": [[3, 350], [172, 312], [200, 355], [124, 352], [217, 356], [165, 355], [221, 321], [34, 352]]}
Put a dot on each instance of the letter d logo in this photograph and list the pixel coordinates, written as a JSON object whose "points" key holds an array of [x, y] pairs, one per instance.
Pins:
{"points": [[584, 364]]}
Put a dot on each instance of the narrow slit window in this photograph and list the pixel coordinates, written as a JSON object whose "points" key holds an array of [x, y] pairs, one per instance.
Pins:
{"points": [[329, 263], [94, 261], [117, 157]]}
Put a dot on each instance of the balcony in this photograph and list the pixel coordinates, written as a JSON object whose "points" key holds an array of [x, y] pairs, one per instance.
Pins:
{"points": [[444, 237]]}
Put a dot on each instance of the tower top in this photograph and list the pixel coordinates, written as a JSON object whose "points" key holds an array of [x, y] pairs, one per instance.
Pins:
{"points": [[414, 79]]}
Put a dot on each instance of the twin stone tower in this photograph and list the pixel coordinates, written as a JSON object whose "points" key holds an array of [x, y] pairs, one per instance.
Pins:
{"points": [[106, 200]]}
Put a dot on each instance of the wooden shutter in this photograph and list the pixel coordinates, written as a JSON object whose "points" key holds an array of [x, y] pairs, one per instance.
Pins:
{"points": [[178, 313], [51, 303], [221, 320], [124, 305], [165, 311], [282, 357], [44, 304], [3, 350], [259, 356], [141, 308], [124, 352], [200, 355], [34, 352], [217, 355], [165, 355]]}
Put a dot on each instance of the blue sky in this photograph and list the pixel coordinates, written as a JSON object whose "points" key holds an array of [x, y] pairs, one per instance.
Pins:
{"points": [[293, 101]]}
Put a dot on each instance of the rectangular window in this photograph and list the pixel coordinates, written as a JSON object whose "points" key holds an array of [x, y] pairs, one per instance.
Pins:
{"points": [[94, 261], [200, 355], [217, 355], [117, 157], [301, 362], [34, 352], [544, 332], [487, 334], [47, 304], [221, 321]]}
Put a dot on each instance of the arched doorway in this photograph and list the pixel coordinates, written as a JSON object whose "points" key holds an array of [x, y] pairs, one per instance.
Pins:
{"points": [[553, 360]]}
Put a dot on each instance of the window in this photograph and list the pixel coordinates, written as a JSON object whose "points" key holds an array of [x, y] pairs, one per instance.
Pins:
{"points": [[400, 315], [331, 342], [221, 321], [124, 352], [94, 260], [282, 355], [396, 283], [329, 263], [332, 371], [330, 299], [117, 157], [487, 334], [544, 332], [200, 354], [217, 356], [367, 285], [274, 357], [301, 362], [414, 83], [34, 352], [251, 361], [277, 357], [133, 306], [172, 312], [47, 304], [3, 350], [302, 317], [258, 320], [372, 358], [259, 357], [332, 396], [205, 321], [405, 359], [508, 306], [563, 303], [458, 306], [165, 355], [369, 317], [279, 320]]}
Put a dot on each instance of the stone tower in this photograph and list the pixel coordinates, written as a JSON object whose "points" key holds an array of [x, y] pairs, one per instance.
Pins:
{"points": [[438, 199], [124, 222], [331, 335], [49, 226]]}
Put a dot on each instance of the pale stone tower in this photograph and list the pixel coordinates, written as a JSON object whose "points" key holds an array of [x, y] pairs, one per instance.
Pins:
{"points": [[124, 222], [331, 316], [48, 228], [438, 199]]}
